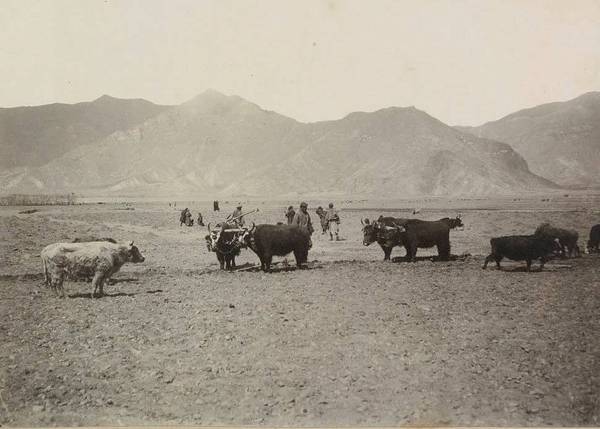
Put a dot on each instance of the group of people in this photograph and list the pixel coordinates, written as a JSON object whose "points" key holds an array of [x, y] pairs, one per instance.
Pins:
{"points": [[186, 218], [330, 219]]}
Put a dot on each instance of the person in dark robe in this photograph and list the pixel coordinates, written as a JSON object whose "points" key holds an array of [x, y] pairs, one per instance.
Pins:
{"points": [[289, 214]]}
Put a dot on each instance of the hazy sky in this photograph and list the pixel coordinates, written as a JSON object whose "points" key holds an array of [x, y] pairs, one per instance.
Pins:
{"points": [[464, 62]]}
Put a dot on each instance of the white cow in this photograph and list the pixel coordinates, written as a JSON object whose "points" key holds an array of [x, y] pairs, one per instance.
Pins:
{"points": [[97, 259]]}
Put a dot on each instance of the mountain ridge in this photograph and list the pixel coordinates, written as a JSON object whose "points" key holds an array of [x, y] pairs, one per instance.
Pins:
{"points": [[32, 136], [220, 145], [559, 140]]}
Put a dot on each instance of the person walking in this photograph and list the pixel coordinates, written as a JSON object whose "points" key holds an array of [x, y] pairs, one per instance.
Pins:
{"points": [[333, 222]]}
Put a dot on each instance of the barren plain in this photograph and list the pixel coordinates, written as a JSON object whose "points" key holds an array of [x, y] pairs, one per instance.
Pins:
{"points": [[352, 340]]}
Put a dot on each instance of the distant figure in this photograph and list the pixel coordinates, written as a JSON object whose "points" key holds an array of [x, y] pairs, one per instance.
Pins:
{"points": [[183, 216], [333, 222], [321, 213], [200, 220], [216, 206], [236, 217], [593, 244], [186, 218], [289, 214]]}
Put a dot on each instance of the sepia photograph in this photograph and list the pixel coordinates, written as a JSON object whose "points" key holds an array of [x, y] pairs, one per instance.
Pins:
{"points": [[303, 213]]}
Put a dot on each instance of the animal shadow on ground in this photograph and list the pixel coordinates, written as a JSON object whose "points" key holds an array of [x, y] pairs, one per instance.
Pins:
{"points": [[243, 267], [106, 295], [281, 268], [452, 258], [125, 280], [534, 269], [27, 276], [111, 295]]}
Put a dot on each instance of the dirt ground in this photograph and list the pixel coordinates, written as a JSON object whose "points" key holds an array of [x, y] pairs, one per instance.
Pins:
{"points": [[352, 340]]}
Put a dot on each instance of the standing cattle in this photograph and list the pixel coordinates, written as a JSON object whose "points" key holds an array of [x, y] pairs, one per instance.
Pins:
{"points": [[98, 258], [594, 241], [277, 240], [521, 248], [85, 239], [224, 241], [386, 231], [425, 234], [568, 238], [412, 234]]}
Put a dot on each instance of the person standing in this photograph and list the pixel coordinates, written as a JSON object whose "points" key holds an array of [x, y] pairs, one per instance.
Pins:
{"points": [[200, 219], [289, 214], [183, 217], [321, 213], [333, 222], [302, 219]]}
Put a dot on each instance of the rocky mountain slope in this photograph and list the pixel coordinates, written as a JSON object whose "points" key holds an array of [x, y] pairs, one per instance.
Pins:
{"points": [[392, 152], [560, 141], [34, 136], [215, 145]]}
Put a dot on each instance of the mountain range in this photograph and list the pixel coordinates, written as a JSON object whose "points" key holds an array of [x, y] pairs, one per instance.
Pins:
{"points": [[216, 146], [34, 136], [560, 141]]}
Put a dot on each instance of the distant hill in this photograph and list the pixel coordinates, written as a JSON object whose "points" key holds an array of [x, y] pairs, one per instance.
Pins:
{"points": [[34, 136], [560, 141], [392, 152], [217, 145]]}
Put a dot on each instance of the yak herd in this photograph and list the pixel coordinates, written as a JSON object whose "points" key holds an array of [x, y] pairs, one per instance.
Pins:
{"points": [[279, 240], [98, 259]]}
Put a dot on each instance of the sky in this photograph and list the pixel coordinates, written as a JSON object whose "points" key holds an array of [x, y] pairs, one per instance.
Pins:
{"points": [[463, 61]]}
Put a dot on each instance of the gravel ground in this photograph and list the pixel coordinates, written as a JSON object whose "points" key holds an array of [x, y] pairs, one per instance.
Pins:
{"points": [[352, 340]]}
